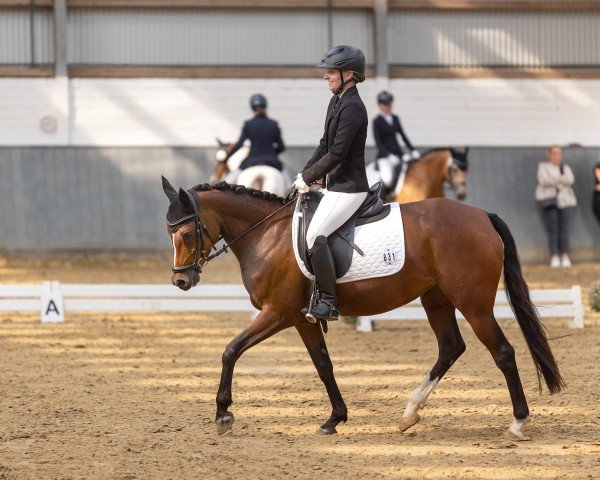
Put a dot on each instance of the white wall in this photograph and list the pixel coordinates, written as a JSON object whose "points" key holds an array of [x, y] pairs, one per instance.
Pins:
{"points": [[191, 112]]}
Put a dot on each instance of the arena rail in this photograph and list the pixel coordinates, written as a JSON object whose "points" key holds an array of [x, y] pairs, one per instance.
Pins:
{"points": [[52, 299], [551, 303]]}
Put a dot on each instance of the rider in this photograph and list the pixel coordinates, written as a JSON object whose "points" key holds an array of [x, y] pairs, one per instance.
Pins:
{"points": [[389, 153], [264, 135], [340, 161]]}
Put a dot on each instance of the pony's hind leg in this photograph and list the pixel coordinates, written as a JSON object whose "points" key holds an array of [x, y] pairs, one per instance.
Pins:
{"points": [[442, 318], [491, 335]]}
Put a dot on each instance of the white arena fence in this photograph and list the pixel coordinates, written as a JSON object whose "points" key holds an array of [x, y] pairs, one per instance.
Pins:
{"points": [[551, 303], [52, 299]]}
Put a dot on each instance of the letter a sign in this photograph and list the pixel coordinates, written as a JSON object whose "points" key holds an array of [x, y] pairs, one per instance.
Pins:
{"points": [[52, 310]]}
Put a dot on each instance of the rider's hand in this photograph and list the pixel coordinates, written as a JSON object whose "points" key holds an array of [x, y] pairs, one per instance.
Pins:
{"points": [[300, 184], [415, 155], [221, 155], [406, 157], [393, 159]]}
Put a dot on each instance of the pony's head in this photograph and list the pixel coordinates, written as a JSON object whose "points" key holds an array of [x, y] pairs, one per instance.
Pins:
{"points": [[458, 167], [193, 234]]}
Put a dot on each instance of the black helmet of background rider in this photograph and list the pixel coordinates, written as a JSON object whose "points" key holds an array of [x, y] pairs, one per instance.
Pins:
{"points": [[258, 102], [384, 97], [345, 58]]}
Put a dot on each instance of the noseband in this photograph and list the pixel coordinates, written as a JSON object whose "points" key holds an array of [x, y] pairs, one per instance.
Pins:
{"points": [[200, 257]]}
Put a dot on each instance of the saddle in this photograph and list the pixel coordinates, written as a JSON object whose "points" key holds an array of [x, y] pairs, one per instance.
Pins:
{"points": [[341, 242]]}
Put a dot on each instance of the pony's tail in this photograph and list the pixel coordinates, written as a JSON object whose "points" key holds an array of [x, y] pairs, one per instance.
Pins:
{"points": [[524, 310]]}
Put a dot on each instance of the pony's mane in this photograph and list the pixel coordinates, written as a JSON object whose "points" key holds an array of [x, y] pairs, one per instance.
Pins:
{"points": [[239, 190], [460, 157], [434, 150]]}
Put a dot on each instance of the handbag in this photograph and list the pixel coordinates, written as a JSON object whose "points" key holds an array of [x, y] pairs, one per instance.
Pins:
{"points": [[547, 203], [550, 202]]}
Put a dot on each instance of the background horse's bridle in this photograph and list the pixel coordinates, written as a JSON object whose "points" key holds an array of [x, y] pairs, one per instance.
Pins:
{"points": [[461, 165]]}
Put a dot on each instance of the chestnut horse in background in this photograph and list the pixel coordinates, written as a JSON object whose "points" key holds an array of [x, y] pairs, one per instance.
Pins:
{"points": [[427, 176], [455, 254]]}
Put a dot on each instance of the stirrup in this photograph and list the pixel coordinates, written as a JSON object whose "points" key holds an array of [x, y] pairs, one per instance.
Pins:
{"points": [[313, 316]]}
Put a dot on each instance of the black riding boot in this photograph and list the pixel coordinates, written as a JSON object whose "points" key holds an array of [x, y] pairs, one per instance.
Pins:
{"points": [[324, 269]]}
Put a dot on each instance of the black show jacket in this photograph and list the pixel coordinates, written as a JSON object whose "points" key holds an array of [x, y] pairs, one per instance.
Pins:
{"points": [[266, 143], [340, 156], [385, 136]]}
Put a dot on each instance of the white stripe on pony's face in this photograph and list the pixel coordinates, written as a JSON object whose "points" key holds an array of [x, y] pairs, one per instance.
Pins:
{"points": [[174, 250]]}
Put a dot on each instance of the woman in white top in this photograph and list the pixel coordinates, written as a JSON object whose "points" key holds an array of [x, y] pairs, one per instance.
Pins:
{"points": [[555, 195]]}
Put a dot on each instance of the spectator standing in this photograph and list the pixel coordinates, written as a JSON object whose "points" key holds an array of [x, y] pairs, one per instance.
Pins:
{"points": [[557, 199], [596, 197]]}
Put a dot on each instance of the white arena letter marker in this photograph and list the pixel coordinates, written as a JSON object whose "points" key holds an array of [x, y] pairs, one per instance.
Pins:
{"points": [[51, 304]]}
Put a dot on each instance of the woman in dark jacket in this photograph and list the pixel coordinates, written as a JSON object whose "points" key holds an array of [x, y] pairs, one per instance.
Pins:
{"points": [[262, 168], [389, 154], [338, 161]]}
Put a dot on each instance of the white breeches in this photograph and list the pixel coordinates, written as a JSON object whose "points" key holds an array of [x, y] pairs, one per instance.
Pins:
{"points": [[264, 178], [385, 173], [333, 211]]}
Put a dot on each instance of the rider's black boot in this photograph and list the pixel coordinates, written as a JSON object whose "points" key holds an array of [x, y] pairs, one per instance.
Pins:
{"points": [[324, 270]]}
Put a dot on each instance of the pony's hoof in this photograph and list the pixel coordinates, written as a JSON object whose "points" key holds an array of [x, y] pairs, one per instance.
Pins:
{"points": [[516, 428], [224, 423], [327, 431], [409, 421]]}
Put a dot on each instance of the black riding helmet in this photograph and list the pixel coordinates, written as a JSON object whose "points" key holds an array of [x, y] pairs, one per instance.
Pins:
{"points": [[258, 100], [345, 58], [385, 97]]}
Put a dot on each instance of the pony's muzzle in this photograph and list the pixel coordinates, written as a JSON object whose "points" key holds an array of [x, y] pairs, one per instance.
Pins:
{"points": [[185, 280], [461, 191]]}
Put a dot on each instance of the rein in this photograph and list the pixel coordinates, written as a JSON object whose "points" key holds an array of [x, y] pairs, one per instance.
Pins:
{"points": [[200, 226], [225, 247]]}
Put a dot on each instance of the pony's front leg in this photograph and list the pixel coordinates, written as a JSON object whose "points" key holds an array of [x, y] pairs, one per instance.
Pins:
{"points": [[266, 324], [312, 336]]}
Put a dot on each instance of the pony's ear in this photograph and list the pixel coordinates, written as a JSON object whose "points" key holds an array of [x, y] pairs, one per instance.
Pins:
{"points": [[221, 143], [185, 200], [170, 192], [465, 153]]}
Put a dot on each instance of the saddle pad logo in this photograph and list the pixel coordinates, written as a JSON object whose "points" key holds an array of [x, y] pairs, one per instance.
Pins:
{"points": [[390, 257]]}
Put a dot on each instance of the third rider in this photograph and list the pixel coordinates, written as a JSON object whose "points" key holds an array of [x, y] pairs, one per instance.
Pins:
{"points": [[389, 154]]}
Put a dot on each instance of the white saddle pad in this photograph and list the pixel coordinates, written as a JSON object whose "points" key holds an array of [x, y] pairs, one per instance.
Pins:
{"points": [[382, 243]]}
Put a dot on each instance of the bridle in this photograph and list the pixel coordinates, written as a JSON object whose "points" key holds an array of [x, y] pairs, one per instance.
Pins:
{"points": [[451, 162], [200, 256]]}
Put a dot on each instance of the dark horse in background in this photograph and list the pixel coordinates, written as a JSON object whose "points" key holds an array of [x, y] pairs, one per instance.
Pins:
{"points": [[454, 258]]}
